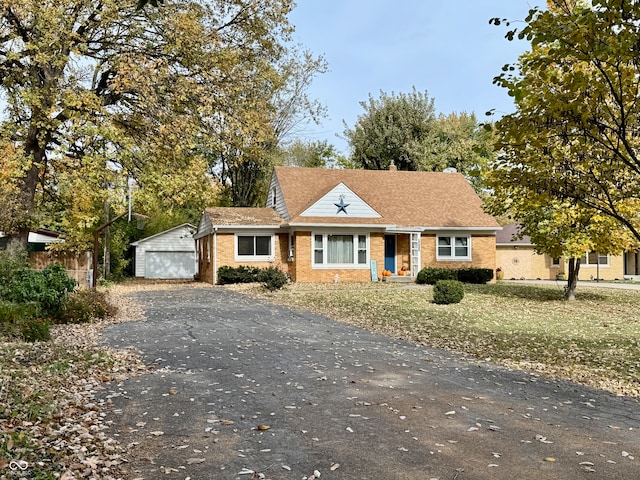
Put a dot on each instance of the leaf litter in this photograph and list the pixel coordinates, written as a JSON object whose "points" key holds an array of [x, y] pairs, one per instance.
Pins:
{"points": [[50, 417]]}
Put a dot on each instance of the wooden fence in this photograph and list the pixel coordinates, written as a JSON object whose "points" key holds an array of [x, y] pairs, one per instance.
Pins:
{"points": [[78, 266]]}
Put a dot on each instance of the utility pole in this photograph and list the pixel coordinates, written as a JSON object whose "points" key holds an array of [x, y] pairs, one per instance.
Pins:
{"points": [[96, 245]]}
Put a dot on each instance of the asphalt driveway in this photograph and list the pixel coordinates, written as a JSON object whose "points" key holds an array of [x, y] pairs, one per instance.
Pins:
{"points": [[244, 386]]}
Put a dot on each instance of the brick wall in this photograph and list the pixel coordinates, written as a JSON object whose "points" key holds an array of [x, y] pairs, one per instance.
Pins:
{"points": [[523, 262], [226, 255], [483, 253], [300, 269]]}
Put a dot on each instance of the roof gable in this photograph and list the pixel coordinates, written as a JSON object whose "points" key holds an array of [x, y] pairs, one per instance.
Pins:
{"points": [[404, 199], [340, 201], [180, 230], [237, 217]]}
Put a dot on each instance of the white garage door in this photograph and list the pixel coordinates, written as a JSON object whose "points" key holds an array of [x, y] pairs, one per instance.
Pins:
{"points": [[169, 264]]}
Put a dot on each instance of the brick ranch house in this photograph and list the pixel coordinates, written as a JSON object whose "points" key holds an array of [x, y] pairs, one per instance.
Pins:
{"points": [[326, 225]]}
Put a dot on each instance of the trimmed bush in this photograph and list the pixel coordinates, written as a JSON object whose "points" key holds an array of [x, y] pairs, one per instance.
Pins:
{"points": [[87, 305], [430, 275], [448, 291], [240, 274], [272, 278], [475, 275]]}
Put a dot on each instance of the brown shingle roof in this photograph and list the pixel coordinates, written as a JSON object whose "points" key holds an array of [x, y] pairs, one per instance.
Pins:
{"points": [[508, 236], [223, 216], [405, 199]]}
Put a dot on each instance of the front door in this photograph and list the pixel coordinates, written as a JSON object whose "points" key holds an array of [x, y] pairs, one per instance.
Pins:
{"points": [[390, 253]]}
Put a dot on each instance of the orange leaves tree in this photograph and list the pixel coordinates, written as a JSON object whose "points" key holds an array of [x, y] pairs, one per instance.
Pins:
{"points": [[98, 92]]}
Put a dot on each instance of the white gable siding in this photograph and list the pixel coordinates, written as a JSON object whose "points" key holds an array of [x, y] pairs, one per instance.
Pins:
{"points": [[204, 227], [178, 239], [279, 204], [326, 206]]}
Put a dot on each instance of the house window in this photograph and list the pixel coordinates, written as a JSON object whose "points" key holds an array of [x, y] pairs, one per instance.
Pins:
{"points": [[591, 259], [254, 247], [340, 250], [452, 247], [318, 249], [555, 262]]}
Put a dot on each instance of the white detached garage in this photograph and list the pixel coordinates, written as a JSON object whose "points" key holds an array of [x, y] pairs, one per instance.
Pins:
{"points": [[168, 254]]}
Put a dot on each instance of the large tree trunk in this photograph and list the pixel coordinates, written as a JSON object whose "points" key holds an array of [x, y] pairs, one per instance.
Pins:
{"points": [[34, 149], [572, 280]]}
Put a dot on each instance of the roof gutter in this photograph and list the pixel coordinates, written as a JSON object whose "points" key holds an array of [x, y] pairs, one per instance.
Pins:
{"points": [[339, 225]]}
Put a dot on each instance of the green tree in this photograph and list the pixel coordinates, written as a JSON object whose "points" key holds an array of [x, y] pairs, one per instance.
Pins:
{"points": [[243, 141], [104, 91], [461, 143], [393, 128], [314, 154], [560, 229], [405, 130], [574, 135]]}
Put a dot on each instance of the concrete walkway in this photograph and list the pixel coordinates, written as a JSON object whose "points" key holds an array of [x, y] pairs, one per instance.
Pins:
{"points": [[247, 390]]}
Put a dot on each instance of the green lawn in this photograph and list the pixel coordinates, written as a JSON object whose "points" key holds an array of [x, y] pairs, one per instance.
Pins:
{"points": [[594, 340]]}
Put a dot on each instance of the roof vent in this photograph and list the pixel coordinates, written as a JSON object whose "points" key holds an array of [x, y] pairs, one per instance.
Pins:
{"points": [[450, 170], [392, 167]]}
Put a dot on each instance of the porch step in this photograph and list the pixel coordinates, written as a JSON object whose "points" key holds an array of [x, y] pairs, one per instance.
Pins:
{"points": [[399, 279]]}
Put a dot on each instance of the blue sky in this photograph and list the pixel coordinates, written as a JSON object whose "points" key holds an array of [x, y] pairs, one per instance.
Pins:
{"points": [[444, 47]]}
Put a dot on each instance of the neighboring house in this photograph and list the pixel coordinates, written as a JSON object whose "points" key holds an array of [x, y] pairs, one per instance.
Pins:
{"points": [[78, 265], [632, 265], [167, 255], [518, 260], [326, 225]]}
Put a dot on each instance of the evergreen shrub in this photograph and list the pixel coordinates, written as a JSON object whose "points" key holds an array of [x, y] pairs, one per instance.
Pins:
{"points": [[448, 291]]}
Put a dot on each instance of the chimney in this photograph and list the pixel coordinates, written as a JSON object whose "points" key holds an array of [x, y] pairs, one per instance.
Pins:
{"points": [[392, 167]]}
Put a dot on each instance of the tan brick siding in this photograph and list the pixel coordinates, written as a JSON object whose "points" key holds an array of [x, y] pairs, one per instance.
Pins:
{"points": [[226, 255], [483, 253], [302, 271], [300, 268], [524, 263]]}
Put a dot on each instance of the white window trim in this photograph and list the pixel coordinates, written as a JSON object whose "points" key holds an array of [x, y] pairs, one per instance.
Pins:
{"points": [[253, 258], [292, 240], [453, 258], [595, 265], [340, 266]]}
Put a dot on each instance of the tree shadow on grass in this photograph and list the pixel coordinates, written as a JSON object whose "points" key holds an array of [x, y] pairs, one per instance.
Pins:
{"points": [[533, 292]]}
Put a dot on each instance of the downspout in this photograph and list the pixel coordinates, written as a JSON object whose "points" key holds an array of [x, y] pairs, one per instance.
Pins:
{"points": [[215, 255]]}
